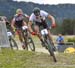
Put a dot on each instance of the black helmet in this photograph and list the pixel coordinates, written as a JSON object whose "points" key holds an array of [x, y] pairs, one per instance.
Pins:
{"points": [[36, 11]]}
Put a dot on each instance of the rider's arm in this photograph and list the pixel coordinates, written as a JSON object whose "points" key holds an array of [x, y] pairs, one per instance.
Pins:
{"points": [[31, 19], [50, 17], [12, 23], [27, 16], [24, 23], [30, 26]]}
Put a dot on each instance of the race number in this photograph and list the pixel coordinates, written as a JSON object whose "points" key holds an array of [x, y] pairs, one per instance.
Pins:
{"points": [[44, 32]]}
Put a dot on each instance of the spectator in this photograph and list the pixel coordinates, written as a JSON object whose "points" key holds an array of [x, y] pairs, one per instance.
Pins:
{"points": [[60, 41]]}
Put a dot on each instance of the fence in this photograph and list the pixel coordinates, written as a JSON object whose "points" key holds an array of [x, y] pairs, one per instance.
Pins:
{"points": [[4, 41], [66, 45]]}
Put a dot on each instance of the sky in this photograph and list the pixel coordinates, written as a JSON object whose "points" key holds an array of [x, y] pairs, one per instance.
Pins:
{"points": [[50, 1]]}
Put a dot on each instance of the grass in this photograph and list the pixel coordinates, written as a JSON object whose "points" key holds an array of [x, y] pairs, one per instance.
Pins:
{"points": [[27, 59]]}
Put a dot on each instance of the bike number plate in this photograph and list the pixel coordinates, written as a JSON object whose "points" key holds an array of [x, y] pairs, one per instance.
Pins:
{"points": [[9, 34], [44, 32], [24, 27]]}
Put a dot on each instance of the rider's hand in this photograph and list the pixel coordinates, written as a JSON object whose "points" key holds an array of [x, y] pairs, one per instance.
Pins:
{"points": [[14, 30], [53, 25], [33, 33]]}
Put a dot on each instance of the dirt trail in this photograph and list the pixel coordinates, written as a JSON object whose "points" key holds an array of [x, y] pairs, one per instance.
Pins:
{"points": [[38, 48]]}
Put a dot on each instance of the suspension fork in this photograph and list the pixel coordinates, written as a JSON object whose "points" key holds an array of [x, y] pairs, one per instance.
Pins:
{"points": [[25, 36], [46, 39]]}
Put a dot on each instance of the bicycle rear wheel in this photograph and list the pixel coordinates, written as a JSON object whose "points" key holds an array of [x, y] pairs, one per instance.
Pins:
{"points": [[13, 44], [31, 44]]}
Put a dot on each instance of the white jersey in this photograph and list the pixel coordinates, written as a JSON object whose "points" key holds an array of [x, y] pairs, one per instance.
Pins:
{"points": [[43, 15]]}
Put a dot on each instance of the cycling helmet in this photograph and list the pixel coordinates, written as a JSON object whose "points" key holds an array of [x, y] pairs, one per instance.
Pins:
{"points": [[36, 11], [19, 11]]}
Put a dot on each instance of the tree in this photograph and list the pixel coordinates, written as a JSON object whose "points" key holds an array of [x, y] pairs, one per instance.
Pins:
{"points": [[57, 29], [6, 0], [74, 26], [68, 26]]}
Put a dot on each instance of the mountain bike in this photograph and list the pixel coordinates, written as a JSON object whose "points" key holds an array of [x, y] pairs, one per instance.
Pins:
{"points": [[12, 42], [28, 41], [48, 44]]}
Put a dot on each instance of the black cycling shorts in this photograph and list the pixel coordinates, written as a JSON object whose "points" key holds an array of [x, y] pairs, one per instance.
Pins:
{"points": [[42, 24], [19, 24]]}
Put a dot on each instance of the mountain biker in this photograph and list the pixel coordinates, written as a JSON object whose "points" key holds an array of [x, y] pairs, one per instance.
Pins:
{"points": [[8, 26], [38, 17], [18, 22]]}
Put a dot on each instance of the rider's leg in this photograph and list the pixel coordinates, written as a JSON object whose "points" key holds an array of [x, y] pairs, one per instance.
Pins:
{"points": [[50, 37], [49, 33], [21, 40], [36, 29], [20, 36]]}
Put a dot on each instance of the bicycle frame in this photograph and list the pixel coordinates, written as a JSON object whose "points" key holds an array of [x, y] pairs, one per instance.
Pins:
{"points": [[27, 38], [44, 33]]}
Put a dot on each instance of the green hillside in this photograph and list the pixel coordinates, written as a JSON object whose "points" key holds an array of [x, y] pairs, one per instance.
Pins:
{"points": [[60, 11]]}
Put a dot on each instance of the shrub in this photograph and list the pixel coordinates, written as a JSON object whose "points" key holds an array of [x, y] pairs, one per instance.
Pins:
{"points": [[71, 40]]}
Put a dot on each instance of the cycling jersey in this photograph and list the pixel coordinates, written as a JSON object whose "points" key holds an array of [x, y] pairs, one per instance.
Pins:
{"points": [[19, 20], [43, 16], [41, 20]]}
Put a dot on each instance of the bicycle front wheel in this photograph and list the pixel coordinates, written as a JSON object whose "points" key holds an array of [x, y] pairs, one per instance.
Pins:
{"points": [[31, 44], [50, 49], [13, 44]]}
